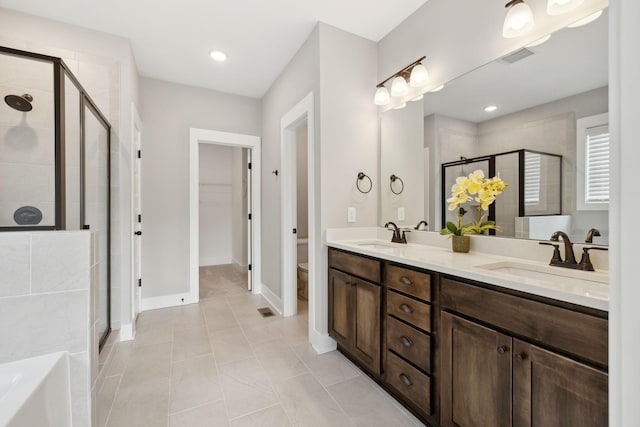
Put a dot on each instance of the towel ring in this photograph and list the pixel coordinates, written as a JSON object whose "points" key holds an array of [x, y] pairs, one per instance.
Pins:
{"points": [[395, 178], [361, 176]]}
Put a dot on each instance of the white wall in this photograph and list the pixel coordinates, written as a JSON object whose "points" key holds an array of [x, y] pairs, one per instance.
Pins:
{"points": [[169, 110], [105, 66]]}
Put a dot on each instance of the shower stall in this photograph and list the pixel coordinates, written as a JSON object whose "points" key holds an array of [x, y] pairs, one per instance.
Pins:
{"points": [[54, 158]]}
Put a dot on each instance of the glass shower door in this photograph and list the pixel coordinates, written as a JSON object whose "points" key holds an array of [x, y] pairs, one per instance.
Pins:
{"points": [[96, 209]]}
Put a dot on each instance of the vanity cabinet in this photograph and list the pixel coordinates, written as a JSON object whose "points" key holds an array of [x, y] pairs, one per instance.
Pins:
{"points": [[494, 374], [355, 307]]}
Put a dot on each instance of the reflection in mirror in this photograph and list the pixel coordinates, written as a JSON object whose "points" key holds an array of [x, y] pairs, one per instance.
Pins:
{"points": [[546, 106]]}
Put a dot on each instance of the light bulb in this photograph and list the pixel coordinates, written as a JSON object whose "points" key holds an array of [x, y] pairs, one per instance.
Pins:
{"points": [[382, 96], [399, 86], [519, 20], [419, 76], [587, 20], [558, 7]]}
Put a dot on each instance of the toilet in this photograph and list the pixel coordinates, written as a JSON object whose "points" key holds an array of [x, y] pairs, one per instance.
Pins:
{"points": [[303, 280]]}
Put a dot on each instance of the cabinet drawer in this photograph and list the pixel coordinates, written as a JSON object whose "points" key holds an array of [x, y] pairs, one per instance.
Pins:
{"points": [[413, 345], [560, 328], [357, 265], [415, 312], [409, 281], [410, 382]]}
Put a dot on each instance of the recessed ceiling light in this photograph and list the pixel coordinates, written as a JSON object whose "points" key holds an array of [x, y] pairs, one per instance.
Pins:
{"points": [[437, 88], [539, 41], [587, 20], [218, 55], [490, 108]]}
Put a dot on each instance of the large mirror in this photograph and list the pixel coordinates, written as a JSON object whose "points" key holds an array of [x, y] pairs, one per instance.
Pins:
{"points": [[537, 117]]}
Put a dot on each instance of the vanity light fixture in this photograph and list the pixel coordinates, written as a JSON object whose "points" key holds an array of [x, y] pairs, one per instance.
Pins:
{"points": [[558, 7], [539, 41], [586, 20], [400, 107], [490, 108], [519, 19], [218, 55], [437, 88], [417, 98], [415, 74]]}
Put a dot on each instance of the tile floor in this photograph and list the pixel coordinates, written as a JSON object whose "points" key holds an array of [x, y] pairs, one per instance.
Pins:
{"points": [[219, 363]]}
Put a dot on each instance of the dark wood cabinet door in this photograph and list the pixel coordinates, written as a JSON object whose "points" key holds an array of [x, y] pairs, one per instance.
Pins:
{"points": [[367, 313], [341, 319], [476, 375], [552, 390]]}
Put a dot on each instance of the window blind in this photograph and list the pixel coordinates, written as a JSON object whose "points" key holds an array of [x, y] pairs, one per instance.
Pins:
{"points": [[597, 165], [532, 171]]}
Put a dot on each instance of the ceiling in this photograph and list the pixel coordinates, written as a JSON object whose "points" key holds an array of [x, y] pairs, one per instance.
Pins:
{"points": [[171, 40], [573, 61]]}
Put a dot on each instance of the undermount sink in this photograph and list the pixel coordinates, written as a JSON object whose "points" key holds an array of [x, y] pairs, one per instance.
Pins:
{"points": [[376, 246], [546, 273]]}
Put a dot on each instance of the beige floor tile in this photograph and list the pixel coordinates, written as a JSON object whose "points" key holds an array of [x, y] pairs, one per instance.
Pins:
{"points": [[230, 345], [262, 330], [219, 318], [328, 368], [141, 405], [366, 405], [105, 398], [209, 415], [279, 360], [187, 316], [307, 403], [270, 417], [148, 363], [120, 358], [190, 342], [155, 319], [247, 387], [194, 382]]}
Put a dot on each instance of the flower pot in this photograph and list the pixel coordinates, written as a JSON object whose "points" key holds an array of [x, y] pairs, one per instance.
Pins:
{"points": [[460, 243]]}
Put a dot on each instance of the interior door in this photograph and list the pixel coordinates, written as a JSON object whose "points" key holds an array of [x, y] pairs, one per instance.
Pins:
{"points": [[137, 220], [249, 223]]}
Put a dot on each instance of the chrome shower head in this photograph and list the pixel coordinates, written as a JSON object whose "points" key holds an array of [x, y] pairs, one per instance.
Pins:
{"points": [[20, 103]]}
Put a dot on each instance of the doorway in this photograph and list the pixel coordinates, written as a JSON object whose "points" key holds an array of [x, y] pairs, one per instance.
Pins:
{"points": [[250, 158]]}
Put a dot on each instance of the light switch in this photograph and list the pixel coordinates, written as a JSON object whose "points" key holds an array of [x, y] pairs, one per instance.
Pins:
{"points": [[400, 214], [351, 214]]}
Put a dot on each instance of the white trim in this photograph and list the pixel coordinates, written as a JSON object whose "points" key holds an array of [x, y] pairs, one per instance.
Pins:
{"points": [[272, 299], [136, 126], [204, 136], [164, 301], [322, 343], [127, 332], [216, 260], [317, 298]]}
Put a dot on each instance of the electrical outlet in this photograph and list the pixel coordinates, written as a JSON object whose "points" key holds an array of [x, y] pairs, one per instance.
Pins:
{"points": [[400, 214], [351, 214]]}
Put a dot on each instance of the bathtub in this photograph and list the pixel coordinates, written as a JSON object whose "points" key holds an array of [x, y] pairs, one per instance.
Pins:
{"points": [[35, 392]]}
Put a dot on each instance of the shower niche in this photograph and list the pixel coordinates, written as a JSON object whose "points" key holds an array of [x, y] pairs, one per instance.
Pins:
{"points": [[54, 157]]}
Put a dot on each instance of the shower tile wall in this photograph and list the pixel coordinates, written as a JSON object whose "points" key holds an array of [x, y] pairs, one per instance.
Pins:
{"points": [[27, 167], [48, 304]]}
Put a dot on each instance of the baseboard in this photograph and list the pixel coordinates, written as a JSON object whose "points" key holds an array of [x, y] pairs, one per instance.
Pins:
{"points": [[272, 298], [126, 332], [322, 343], [153, 303], [209, 261]]}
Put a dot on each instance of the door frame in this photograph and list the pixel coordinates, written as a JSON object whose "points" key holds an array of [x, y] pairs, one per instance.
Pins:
{"points": [[205, 136], [136, 164]]}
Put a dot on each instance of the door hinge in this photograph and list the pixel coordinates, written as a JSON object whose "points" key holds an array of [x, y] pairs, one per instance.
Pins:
{"points": [[295, 231], [249, 267], [249, 165], [139, 154], [249, 217], [139, 283], [139, 218]]}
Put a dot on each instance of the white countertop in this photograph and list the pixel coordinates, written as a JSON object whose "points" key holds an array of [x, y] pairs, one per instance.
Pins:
{"points": [[589, 289]]}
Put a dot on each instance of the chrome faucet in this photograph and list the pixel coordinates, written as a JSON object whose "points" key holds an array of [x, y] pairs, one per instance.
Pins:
{"points": [[594, 232], [417, 227], [397, 237]]}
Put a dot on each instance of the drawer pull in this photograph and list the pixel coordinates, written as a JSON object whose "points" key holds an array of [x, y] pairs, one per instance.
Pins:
{"points": [[406, 380], [406, 281], [521, 356], [406, 308], [503, 349], [406, 341]]}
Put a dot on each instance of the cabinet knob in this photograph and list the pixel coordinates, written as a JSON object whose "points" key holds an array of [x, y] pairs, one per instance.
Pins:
{"points": [[406, 281], [406, 341], [406, 380], [407, 309], [503, 349], [521, 356]]}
